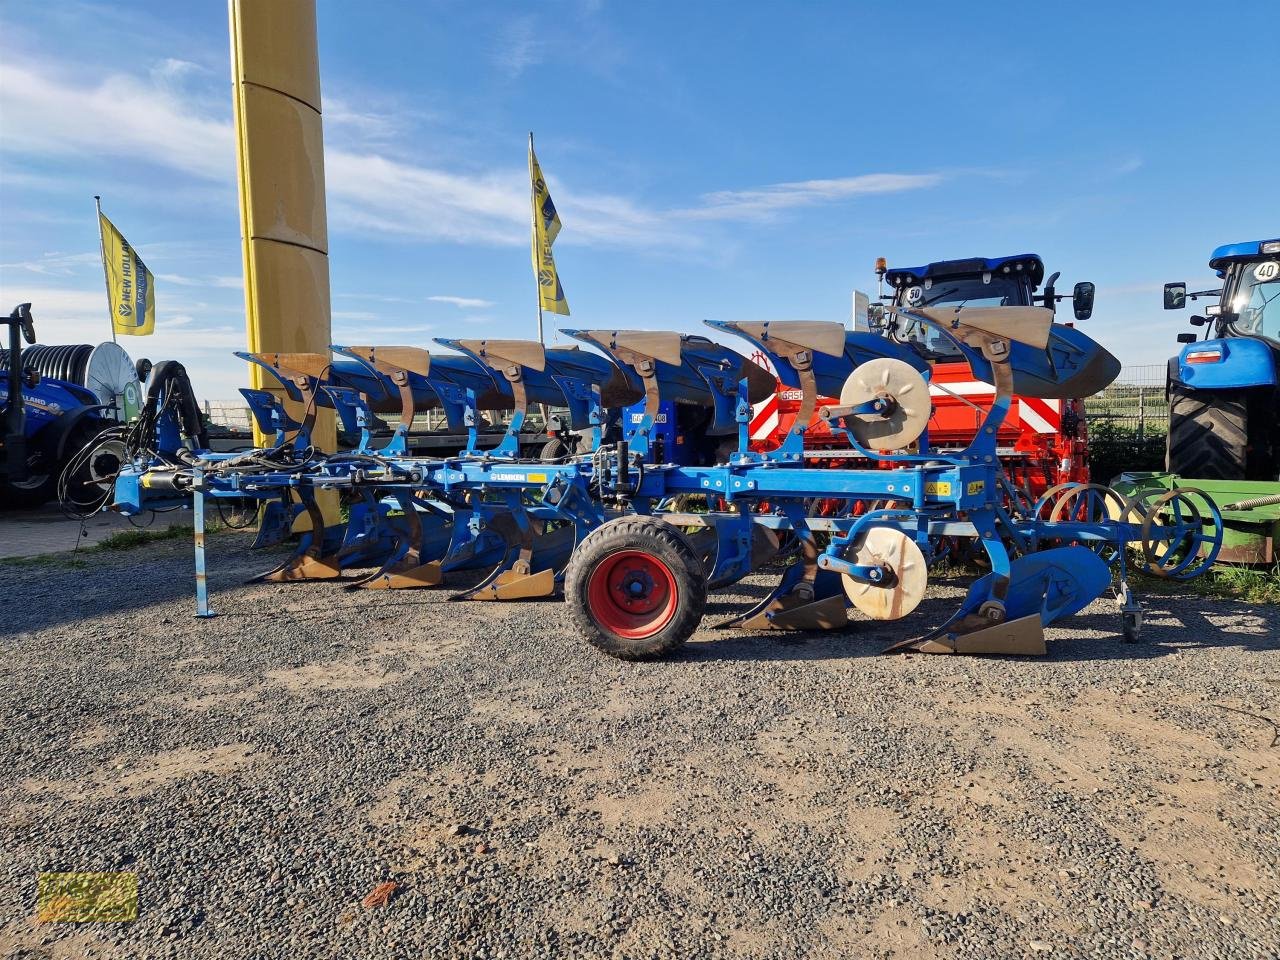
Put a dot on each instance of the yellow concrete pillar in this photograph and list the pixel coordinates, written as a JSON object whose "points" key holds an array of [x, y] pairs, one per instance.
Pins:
{"points": [[275, 74]]}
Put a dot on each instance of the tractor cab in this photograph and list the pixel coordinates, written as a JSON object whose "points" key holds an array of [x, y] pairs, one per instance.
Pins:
{"points": [[975, 282], [1248, 300]]}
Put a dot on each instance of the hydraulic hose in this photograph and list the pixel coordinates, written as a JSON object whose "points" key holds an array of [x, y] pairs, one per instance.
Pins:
{"points": [[1254, 503], [68, 362]]}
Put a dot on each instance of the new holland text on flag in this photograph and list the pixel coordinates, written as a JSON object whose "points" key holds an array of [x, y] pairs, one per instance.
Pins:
{"points": [[546, 227], [130, 285]]}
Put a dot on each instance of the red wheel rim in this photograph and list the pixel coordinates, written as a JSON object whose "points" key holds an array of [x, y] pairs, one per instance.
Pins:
{"points": [[632, 594]]}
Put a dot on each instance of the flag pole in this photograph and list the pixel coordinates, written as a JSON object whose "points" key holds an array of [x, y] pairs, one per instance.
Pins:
{"points": [[533, 208], [106, 278], [537, 280]]}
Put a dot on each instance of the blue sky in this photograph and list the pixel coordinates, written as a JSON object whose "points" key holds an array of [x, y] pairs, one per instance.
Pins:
{"points": [[741, 160]]}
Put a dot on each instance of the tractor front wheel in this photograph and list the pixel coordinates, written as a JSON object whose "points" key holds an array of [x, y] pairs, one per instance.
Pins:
{"points": [[635, 588], [38, 487]]}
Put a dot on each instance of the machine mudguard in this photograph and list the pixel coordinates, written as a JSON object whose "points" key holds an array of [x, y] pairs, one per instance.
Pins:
{"points": [[60, 431], [1228, 363]]}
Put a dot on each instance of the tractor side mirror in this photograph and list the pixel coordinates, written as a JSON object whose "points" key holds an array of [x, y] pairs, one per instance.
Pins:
{"points": [[1175, 296], [142, 369], [1082, 300], [22, 316], [1186, 338]]}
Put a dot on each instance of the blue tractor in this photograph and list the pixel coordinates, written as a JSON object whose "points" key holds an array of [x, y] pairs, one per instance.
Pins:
{"points": [[47, 426], [1224, 401]]}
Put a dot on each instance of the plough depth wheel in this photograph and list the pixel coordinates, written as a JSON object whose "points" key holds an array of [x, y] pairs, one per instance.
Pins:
{"points": [[1182, 533], [635, 588], [1088, 503]]}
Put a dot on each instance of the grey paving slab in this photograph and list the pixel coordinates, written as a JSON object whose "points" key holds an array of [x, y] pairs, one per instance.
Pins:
{"points": [[29, 533]]}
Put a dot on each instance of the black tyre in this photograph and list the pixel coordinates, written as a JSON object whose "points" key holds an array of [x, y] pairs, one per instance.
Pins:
{"points": [[1208, 435], [555, 449], [40, 486], [96, 459], [635, 588]]}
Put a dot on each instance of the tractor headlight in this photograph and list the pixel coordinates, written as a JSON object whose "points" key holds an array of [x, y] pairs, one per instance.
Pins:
{"points": [[1271, 246]]}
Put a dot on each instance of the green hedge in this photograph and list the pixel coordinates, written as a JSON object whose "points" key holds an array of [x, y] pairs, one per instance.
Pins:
{"points": [[1115, 448]]}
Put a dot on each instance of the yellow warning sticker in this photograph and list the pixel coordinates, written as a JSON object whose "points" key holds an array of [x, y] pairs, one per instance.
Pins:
{"points": [[937, 488], [976, 486], [519, 477]]}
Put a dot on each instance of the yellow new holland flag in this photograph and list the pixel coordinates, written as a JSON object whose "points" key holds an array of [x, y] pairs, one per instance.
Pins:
{"points": [[546, 227], [130, 285]]}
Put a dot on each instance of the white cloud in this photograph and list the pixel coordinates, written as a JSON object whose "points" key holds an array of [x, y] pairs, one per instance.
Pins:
{"points": [[360, 125], [380, 298], [373, 192], [121, 116], [171, 70], [1127, 166], [59, 312], [221, 283], [463, 302], [361, 333], [764, 202], [518, 47], [57, 264], [618, 221]]}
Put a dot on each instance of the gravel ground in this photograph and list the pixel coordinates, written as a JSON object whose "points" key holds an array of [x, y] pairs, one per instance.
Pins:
{"points": [[759, 796]]}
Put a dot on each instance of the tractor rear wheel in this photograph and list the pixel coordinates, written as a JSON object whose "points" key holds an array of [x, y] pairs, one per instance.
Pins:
{"points": [[635, 588], [1208, 434], [97, 462]]}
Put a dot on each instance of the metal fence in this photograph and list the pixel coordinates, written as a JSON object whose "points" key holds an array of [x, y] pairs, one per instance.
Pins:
{"points": [[229, 415], [1136, 401]]}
